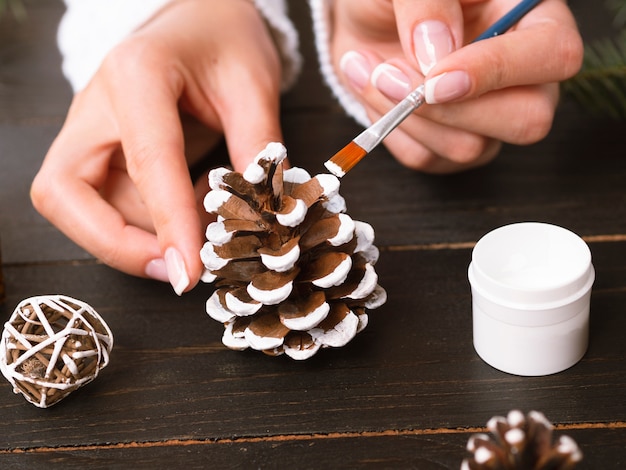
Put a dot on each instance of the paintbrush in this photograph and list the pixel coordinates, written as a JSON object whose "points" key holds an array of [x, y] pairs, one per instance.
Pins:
{"points": [[344, 160]]}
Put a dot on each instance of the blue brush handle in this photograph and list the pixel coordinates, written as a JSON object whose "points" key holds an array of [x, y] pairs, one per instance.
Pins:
{"points": [[507, 21]]}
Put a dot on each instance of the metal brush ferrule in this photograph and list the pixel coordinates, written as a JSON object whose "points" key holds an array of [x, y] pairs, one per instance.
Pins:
{"points": [[374, 135]]}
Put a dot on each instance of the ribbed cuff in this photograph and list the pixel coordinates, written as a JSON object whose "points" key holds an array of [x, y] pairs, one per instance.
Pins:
{"points": [[322, 28], [285, 37]]}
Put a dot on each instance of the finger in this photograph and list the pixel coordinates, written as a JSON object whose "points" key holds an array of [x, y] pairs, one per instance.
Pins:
{"points": [[456, 145], [152, 141], [518, 115], [429, 138], [121, 193], [251, 121], [200, 189], [422, 145], [245, 92], [65, 192], [429, 30], [544, 47], [390, 82], [414, 155]]}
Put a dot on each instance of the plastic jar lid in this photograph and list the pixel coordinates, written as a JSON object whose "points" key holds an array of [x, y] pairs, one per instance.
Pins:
{"points": [[531, 285]]}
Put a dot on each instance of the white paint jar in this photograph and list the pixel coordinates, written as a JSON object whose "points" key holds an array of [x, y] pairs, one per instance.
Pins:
{"points": [[531, 287]]}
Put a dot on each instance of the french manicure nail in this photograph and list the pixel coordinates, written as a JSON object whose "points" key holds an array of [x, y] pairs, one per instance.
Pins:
{"points": [[432, 41], [176, 270], [447, 87], [357, 69], [156, 269], [391, 82]]}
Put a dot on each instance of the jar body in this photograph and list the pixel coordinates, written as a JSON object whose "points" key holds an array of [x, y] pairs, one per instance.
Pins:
{"points": [[530, 350], [531, 288]]}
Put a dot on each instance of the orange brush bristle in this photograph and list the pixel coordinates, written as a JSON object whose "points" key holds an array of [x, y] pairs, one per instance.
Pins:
{"points": [[344, 160]]}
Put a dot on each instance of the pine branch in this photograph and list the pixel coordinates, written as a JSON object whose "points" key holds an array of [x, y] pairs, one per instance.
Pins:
{"points": [[619, 9], [600, 86], [15, 7]]}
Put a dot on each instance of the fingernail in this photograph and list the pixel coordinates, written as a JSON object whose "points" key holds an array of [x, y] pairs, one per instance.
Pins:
{"points": [[176, 270], [391, 82], [156, 269], [356, 68], [432, 41], [447, 87]]}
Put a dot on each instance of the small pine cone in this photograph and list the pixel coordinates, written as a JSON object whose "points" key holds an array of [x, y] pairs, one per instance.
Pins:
{"points": [[51, 346], [521, 443], [293, 272]]}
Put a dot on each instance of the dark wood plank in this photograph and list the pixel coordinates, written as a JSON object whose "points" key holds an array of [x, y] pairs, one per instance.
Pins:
{"points": [[34, 97], [413, 367], [32, 87], [25, 236], [309, 94], [602, 448]]}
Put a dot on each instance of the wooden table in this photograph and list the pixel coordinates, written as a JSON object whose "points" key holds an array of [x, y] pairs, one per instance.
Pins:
{"points": [[405, 393]]}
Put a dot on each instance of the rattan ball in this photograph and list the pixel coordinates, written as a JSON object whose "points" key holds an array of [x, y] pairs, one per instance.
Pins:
{"points": [[51, 346]]}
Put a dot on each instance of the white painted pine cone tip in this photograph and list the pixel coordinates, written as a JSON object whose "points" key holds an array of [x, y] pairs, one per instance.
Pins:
{"points": [[51, 346], [293, 272]]}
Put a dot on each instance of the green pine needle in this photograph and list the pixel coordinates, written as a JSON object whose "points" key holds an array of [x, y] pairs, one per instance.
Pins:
{"points": [[619, 9], [600, 86], [14, 7]]}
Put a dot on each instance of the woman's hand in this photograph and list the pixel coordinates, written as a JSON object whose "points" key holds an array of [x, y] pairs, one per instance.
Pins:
{"points": [[116, 178], [504, 89]]}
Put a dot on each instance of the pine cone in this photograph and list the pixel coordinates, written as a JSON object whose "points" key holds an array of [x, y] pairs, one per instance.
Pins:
{"points": [[293, 272], [51, 346], [521, 443]]}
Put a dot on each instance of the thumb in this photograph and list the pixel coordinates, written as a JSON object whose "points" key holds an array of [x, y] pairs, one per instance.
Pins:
{"points": [[429, 30], [540, 50], [246, 99], [250, 123]]}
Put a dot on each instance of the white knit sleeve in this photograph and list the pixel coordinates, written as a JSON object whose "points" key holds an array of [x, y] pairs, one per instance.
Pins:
{"points": [[322, 28], [285, 37], [89, 29]]}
